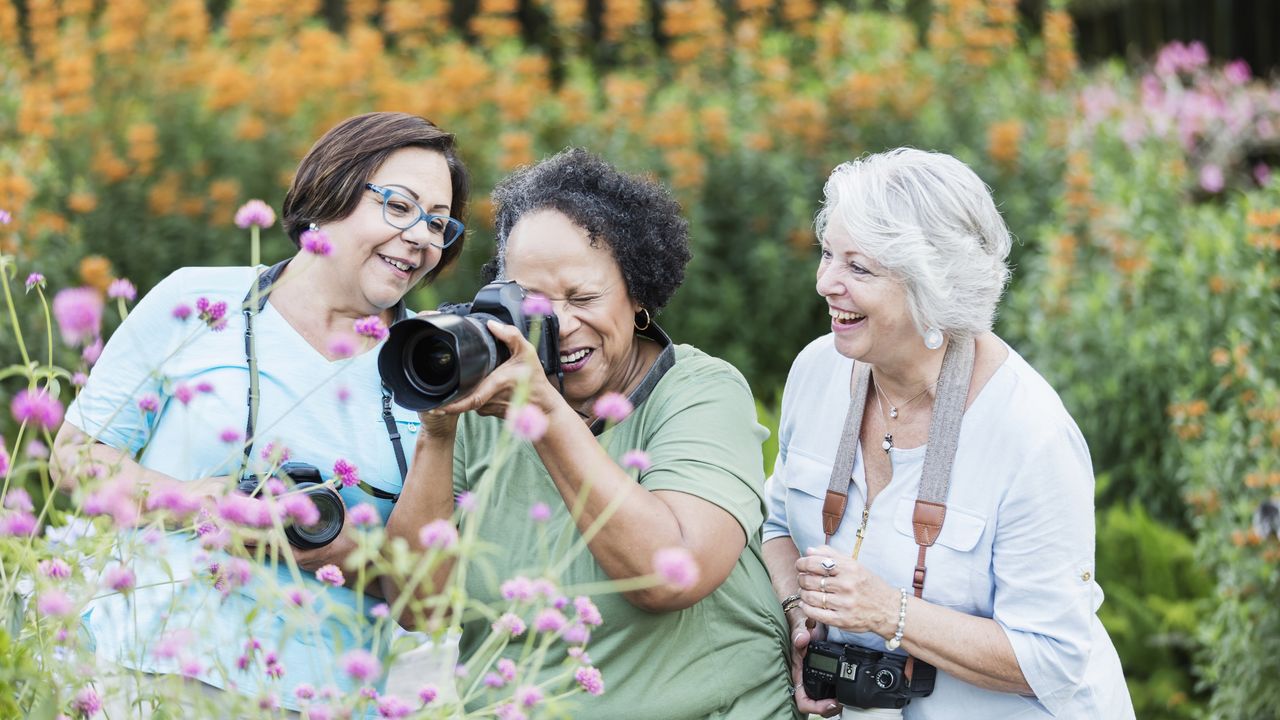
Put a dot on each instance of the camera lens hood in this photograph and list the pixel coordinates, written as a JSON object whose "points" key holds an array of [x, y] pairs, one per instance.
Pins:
{"points": [[429, 361]]}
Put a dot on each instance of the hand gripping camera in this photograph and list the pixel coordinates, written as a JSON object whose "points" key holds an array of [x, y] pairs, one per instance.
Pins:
{"points": [[432, 360], [862, 677], [306, 478]]}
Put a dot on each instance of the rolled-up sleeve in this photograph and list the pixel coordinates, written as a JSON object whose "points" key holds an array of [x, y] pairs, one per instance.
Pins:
{"points": [[1045, 594], [775, 494]]}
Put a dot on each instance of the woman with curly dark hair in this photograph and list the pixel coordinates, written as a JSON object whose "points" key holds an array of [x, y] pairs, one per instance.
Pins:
{"points": [[608, 250]]}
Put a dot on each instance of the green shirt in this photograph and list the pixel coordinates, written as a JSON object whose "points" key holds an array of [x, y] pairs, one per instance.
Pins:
{"points": [[721, 658]]}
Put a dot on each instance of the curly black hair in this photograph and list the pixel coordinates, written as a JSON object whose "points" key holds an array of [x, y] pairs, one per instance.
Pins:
{"points": [[634, 217]]}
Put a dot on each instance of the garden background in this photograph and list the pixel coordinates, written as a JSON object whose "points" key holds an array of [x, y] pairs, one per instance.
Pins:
{"points": [[1141, 191]]}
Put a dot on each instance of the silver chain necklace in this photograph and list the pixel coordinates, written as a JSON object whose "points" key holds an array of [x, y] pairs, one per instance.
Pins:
{"points": [[887, 443]]}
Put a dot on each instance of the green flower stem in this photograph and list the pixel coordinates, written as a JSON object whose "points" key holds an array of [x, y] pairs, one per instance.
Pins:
{"points": [[48, 322], [13, 314]]}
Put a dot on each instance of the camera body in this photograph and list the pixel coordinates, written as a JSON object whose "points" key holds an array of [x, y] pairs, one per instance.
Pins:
{"points": [[863, 678], [432, 360], [307, 479]]}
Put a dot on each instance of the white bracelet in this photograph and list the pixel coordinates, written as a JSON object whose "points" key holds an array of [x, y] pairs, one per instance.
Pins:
{"points": [[893, 642]]}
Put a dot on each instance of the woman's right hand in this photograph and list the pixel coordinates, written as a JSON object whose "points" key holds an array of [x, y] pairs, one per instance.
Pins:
{"points": [[801, 636]]}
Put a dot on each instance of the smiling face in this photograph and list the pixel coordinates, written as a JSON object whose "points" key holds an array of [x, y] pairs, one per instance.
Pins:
{"points": [[550, 255], [374, 264], [868, 307]]}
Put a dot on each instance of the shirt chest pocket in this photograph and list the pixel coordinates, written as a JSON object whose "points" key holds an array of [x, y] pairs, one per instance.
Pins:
{"points": [[807, 479], [958, 565]]}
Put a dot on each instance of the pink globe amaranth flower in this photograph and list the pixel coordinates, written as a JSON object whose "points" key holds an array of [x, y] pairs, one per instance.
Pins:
{"points": [[255, 213], [590, 680], [576, 634], [363, 515], [319, 712], [1262, 174], [34, 279], [331, 575], [371, 327], [35, 450], [92, 352], [214, 314], [119, 578], [149, 403], [535, 304], [1211, 179], [55, 568], [122, 288], [1237, 72], [493, 680], [510, 623], [181, 311], [79, 379], [636, 460], [301, 509], [172, 500], [390, 706], [4, 459], [676, 567], [546, 589], [229, 435], [580, 654], [5, 217], [518, 588], [343, 394], [18, 499], [549, 621], [380, 611], [304, 691], [87, 702], [540, 512], [17, 524], [439, 533], [54, 603], [612, 407], [587, 611], [465, 500], [78, 312], [361, 665], [270, 451], [428, 694], [244, 510], [527, 423], [342, 345], [298, 597], [346, 473], [506, 667], [172, 644], [528, 695], [315, 242], [37, 408], [190, 667], [183, 393], [204, 387], [509, 711]]}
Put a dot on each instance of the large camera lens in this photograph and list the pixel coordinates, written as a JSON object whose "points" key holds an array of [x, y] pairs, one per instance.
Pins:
{"points": [[431, 360], [323, 531]]}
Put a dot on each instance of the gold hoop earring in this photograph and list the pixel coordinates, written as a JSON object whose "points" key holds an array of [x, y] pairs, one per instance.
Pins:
{"points": [[648, 320]]}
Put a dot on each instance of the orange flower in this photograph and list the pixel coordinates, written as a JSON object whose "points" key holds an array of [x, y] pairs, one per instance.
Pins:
{"points": [[95, 271], [82, 202], [517, 150], [1220, 357], [622, 18], [251, 128], [1060, 59], [1003, 141]]}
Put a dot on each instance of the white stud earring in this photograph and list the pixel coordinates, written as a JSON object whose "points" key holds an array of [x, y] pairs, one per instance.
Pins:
{"points": [[933, 338]]}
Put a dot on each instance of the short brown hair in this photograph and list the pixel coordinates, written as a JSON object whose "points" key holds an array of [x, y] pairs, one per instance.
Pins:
{"points": [[331, 177]]}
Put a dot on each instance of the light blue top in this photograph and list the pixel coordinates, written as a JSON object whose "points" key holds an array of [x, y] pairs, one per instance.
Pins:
{"points": [[300, 409], [1017, 544]]}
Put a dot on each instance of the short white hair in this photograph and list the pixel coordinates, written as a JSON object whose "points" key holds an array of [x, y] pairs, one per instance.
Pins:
{"points": [[929, 220]]}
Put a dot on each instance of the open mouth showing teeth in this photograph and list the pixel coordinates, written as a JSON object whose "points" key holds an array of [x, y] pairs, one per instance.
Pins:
{"points": [[401, 266], [574, 357], [846, 318]]}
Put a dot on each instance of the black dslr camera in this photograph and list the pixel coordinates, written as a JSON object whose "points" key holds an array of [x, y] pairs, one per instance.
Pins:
{"points": [[307, 479], [862, 677], [432, 360]]}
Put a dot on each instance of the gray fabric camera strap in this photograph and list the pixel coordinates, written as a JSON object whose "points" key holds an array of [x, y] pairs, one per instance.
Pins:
{"points": [[263, 286], [944, 434]]}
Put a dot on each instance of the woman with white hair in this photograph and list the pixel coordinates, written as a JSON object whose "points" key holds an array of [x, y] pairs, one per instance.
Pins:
{"points": [[930, 533]]}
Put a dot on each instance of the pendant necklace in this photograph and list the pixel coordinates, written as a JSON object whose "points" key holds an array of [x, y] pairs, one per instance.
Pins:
{"points": [[887, 444]]}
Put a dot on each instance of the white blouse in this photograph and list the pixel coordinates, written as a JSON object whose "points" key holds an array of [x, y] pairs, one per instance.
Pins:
{"points": [[1017, 544]]}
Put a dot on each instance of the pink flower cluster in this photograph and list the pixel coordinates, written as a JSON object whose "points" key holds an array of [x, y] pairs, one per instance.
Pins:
{"points": [[590, 680], [535, 304], [612, 407], [676, 567], [315, 242], [331, 575], [346, 473], [371, 327], [123, 289], [214, 314], [509, 623], [439, 533], [361, 665], [255, 213], [527, 422], [78, 312], [37, 408], [34, 279]]}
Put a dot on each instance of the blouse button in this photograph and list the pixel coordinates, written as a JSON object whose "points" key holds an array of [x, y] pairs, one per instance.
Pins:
{"points": [[1086, 575]]}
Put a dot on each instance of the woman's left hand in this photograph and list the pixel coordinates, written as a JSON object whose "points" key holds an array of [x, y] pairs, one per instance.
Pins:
{"points": [[846, 596], [335, 553], [493, 395]]}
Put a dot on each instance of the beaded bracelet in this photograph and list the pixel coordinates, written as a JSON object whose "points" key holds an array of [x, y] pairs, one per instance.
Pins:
{"points": [[895, 641]]}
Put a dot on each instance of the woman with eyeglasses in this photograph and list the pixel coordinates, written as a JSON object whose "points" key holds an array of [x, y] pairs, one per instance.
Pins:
{"points": [[372, 209]]}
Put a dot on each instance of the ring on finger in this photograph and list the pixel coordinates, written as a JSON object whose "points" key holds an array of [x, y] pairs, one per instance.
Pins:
{"points": [[828, 564], [822, 584], [824, 600]]}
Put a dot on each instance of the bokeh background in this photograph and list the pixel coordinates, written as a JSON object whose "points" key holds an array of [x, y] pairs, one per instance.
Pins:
{"points": [[1131, 144]]}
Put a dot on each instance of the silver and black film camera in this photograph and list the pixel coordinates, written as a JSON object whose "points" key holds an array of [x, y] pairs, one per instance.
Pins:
{"points": [[862, 677]]}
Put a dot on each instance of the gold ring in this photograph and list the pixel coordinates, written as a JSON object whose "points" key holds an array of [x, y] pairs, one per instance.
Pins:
{"points": [[822, 584], [824, 600]]}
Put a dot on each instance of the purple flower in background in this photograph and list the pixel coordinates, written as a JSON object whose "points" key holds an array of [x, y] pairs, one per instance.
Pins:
{"points": [[1211, 179], [54, 603], [613, 407], [439, 533], [535, 304], [298, 597], [79, 379], [316, 242], [346, 473], [92, 352], [540, 512], [380, 611], [428, 694], [5, 217], [342, 345], [466, 501], [331, 575], [17, 524], [149, 403], [371, 327], [509, 711], [38, 408], [636, 460], [304, 691], [34, 279], [78, 312], [676, 567], [87, 702], [590, 680], [510, 623], [173, 500], [587, 611], [549, 621], [36, 450], [1262, 174], [183, 393], [181, 311], [528, 695], [301, 509], [363, 515], [18, 499], [56, 568], [1237, 72], [255, 213], [527, 423], [506, 667], [214, 314], [518, 588], [229, 435], [122, 288], [390, 706], [361, 665], [4, 459], [493, 680], [119, 578]]}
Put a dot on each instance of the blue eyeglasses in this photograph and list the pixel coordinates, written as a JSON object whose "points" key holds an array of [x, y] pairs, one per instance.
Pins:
{"points": [[401, 212]]}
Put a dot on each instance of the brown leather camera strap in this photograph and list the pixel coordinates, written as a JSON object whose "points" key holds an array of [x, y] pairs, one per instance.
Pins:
{"points": [[944, 434]]}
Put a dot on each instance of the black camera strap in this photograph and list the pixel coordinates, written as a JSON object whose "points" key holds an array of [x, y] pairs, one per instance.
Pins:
{"points": [[944, 435], [263, 288]]}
